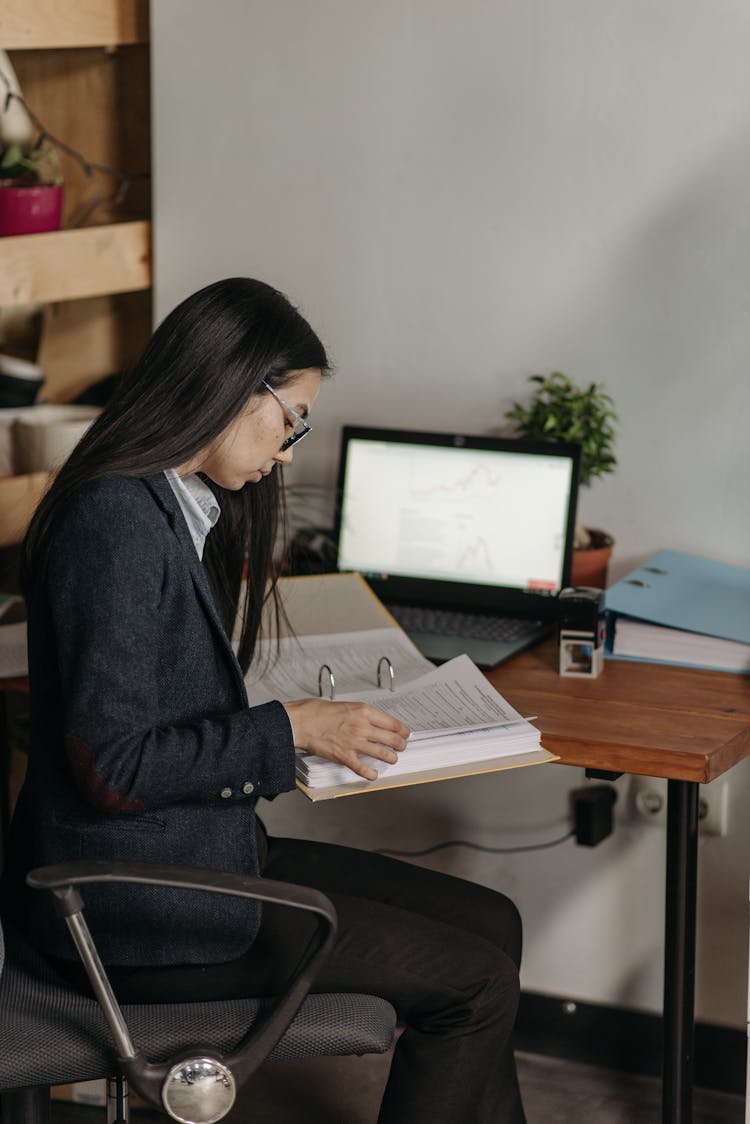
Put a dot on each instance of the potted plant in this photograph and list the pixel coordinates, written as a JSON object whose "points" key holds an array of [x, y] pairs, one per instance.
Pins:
{"points": [[559, 410], [31, 193]]}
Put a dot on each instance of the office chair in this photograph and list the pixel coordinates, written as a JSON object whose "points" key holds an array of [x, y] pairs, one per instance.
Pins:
{"points": [[186, 1059]]}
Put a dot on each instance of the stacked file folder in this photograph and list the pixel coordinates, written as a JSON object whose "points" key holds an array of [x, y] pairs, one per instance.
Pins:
{"points": [[681, 609]]}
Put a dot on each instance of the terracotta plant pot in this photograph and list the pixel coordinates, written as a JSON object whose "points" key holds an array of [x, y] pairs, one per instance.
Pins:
{"points": [[590, 565], [30, 208]]}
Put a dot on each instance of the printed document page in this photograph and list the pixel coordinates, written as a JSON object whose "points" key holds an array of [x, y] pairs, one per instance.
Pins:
{"points": [[452, 698], [291, 671]]}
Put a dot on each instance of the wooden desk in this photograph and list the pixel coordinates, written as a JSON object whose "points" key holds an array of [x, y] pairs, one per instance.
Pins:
{"points": [[687, 725]]}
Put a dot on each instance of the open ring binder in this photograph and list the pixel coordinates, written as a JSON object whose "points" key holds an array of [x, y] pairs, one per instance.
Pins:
{"points": [[391, 675], [459, 724], [325, 670], [331, 681]]}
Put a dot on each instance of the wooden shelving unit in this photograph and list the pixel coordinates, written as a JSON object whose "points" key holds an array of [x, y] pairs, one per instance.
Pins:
{"points": [[86, 23], [71, 264], [84, 69]]}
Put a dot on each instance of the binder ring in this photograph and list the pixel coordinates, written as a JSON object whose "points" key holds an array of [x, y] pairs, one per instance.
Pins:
{"points": [[331, 681], [381, 661]]}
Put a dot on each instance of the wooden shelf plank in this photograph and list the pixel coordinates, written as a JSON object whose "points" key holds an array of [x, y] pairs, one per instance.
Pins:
{"points": [[70, 264], [30, 24], [19, 496]]}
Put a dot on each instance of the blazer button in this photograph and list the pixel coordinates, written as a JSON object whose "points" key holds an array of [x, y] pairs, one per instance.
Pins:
{"points": [[226, 793], [248, 787]]}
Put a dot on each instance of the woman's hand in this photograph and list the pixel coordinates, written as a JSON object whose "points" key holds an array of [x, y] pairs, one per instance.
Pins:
{"points": [[341, 731]]}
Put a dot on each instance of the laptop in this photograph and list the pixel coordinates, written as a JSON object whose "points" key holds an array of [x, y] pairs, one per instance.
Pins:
{"points": [[467, 540]]}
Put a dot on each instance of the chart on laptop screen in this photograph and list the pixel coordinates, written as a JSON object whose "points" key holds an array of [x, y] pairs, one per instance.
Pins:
{"points": [[458, 514]]}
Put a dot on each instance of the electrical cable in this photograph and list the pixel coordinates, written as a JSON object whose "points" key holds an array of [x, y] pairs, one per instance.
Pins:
{"points": [[475, 847]]}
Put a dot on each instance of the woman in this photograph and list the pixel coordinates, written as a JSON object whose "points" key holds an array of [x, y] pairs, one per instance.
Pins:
{"points": [[144, 747]]}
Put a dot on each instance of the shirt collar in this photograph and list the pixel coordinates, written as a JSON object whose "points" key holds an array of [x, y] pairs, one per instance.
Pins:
{"points": [[198, 505]]}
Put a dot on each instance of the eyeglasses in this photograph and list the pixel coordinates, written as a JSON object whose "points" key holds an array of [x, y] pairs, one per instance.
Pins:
{"points": [[301, 427]]}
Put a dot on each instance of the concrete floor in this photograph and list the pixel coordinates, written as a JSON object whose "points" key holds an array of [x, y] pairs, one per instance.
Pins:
{"points": [[347, 1091]]}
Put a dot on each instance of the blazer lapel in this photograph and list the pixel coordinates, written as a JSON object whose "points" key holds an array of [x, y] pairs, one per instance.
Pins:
{"points": [[165, 497]]}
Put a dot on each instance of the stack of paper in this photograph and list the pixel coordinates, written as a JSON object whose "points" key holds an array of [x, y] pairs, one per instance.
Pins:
{"points": [[682, 609], [455, 720], [421, 756], [672, 645]]}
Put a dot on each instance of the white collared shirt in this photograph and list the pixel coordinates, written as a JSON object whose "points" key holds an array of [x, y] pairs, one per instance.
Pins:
{"points": [[197, 503]]}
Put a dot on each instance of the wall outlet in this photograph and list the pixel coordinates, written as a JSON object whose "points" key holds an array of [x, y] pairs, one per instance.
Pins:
{"points": [[647, 800], [713, 807], [647, 803]]}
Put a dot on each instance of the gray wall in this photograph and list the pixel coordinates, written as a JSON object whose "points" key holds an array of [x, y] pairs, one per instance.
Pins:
{"points": [[458, 196]]}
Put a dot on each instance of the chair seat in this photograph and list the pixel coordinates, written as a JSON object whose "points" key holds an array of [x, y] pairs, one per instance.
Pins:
{"points": [[51, 1035]]}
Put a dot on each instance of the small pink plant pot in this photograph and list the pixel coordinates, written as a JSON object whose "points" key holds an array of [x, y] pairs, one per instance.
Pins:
{"points": [[30, 209]]}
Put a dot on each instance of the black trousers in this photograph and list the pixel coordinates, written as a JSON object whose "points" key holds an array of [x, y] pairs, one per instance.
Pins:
{"points": [[443, 951]]}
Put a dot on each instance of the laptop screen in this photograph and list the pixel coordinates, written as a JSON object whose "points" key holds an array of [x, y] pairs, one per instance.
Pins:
{"points": [[448, 518]]}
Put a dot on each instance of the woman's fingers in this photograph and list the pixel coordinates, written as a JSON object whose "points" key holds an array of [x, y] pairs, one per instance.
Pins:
{"points": [[382, 728], [345, 732], [358, 766]]}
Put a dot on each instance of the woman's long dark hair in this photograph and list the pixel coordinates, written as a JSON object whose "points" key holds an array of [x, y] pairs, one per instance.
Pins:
{"points": [[202, 364]]}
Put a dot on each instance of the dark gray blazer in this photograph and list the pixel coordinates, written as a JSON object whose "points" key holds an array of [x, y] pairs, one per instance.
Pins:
{"points": [[143, 745]]}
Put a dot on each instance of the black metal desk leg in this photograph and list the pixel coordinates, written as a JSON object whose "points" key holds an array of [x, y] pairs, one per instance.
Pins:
{"points": [[679, 952]]}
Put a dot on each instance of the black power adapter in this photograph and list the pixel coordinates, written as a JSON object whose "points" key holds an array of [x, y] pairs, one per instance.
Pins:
{"points": [[592, 813]]}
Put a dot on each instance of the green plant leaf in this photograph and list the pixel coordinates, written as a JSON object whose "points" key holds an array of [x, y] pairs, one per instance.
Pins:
{"points": [[560, 410], [39, 165]]}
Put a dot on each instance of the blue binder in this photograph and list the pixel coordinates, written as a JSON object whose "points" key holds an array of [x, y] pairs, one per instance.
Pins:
{"points": [[685, 592]]}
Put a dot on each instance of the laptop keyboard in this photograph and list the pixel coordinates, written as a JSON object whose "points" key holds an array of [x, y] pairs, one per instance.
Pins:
{"points": [[474, 626]]}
